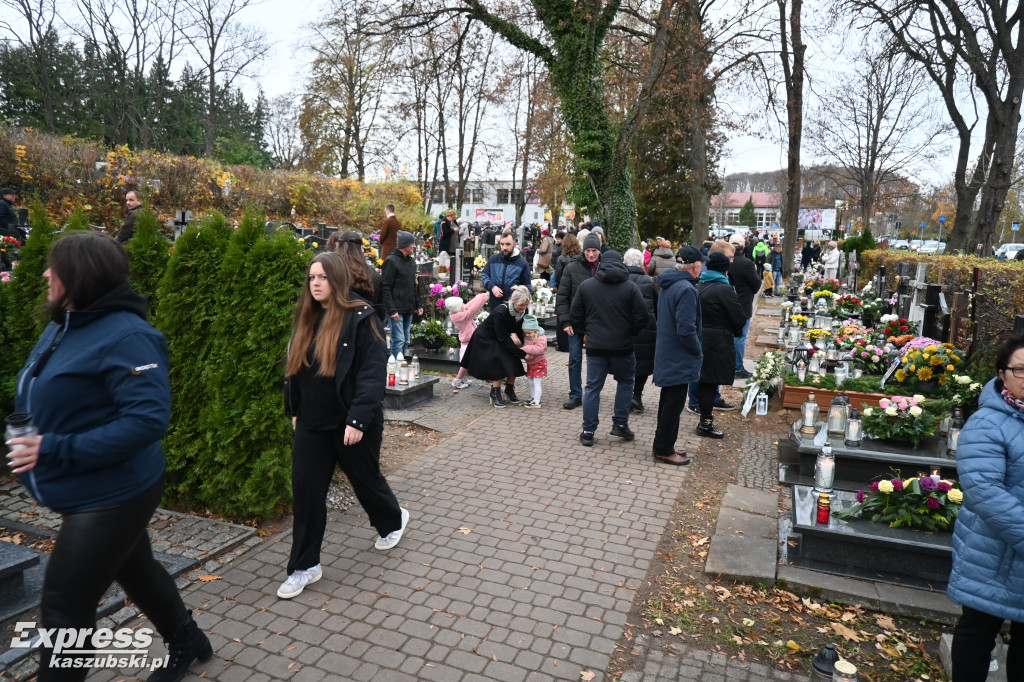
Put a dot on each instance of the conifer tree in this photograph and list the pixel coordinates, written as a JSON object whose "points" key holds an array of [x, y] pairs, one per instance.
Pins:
{"points": [[77, 221], [188, 293], [22, 316], [148, 252]]}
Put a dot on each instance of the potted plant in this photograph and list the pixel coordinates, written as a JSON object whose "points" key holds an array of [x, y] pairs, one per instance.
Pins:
{"points": [[926, 503], [433, 335], [926, 362], [902, 418]]}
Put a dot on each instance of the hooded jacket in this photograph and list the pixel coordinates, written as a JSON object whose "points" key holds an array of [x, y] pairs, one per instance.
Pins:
{"points": [[573, 275], [988, 538], [98, 391], [678, 354], [609, 309], [661, 260]]}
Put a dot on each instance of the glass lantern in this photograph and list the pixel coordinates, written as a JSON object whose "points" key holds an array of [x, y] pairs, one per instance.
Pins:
{"points": [[854, 430], [944, 424], [801, 371], [762, 403], [403, 374], [956, 424], [844, 671], [837, 416], [781, 340], [802, 352], [794, 335], [809, 415], [814, 366], [824, 469]]}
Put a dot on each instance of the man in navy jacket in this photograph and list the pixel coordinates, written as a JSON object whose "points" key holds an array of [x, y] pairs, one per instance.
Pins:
{"points": [[505, 270]]}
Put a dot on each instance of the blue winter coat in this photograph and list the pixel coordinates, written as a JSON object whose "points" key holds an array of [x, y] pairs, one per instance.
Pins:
{"points": [[98, 391], [505, 273], [678, 354], [988, 540]]}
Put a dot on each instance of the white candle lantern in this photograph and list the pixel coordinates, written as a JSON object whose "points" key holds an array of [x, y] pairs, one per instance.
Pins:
{"points": [[824, 470], [809, 415], [854, 430]]}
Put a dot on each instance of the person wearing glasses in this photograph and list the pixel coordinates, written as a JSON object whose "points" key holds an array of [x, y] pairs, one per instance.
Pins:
{"points": [[988, 540]]}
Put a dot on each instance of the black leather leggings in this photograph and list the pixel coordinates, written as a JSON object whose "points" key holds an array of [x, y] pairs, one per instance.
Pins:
{"points": [[94, 548]]}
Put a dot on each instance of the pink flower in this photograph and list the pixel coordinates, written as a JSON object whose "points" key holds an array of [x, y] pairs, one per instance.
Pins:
{"points": [[913, 402], [874, 486], [897, 484], [944, 487], [932, 503], [864, 354], [904, 405], [884, 403], [455, 291], [860, 497]]}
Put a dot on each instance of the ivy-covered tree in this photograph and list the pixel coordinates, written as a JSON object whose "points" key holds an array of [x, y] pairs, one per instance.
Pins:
{"points": [[24, 295], [188, 292], [148, 252], [245, 468], [747, 215]]}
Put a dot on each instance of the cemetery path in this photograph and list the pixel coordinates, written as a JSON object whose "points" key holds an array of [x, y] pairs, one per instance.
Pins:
{"points": [[521, 561]]}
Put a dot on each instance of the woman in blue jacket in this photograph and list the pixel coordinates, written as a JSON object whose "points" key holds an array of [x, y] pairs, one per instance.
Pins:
{"points": [[97, 388], [988, 540]]}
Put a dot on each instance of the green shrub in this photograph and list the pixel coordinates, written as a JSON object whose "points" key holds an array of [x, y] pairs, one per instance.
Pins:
{"points": [[77, 221], [188, 295], [22, 316], [245, 470], [148, 252]]}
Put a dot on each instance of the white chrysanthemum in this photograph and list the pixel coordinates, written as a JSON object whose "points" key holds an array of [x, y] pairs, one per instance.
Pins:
{"points": [[891, 411], [915, 411], [868, 411]]}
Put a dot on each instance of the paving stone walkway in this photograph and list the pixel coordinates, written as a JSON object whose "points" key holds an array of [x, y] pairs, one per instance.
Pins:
{"points": [[521, 562]]}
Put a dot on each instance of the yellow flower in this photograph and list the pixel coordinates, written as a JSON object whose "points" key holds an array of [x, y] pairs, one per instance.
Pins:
{"points": [[925, 356], [924, 374], [953, 495], [913, 368], [906, 483], [931, 349], [886, 487], [936, 360], [949, 368], [900, 375], [954, 358]]}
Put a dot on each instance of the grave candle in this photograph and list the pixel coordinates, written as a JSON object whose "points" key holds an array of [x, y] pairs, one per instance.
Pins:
{"points": [[955, 425], [854, 429], [824, 508], [809, 415], [844, 671], [825, 469]]}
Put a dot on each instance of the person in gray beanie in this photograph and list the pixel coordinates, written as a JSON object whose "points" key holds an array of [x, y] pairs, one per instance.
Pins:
{"points": [[398, 286], [578, 270]]}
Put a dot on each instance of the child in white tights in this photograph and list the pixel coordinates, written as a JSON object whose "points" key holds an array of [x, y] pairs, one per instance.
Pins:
{"points": [[464, 319], [536, 347]]}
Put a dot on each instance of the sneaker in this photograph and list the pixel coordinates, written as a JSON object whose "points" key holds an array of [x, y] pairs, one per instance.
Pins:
{"points": [[394, 536], [587, 438], [297, 581], [531, 405], [693, 408], [622, 431], [743, 374], [461, 383], [720, 404]]}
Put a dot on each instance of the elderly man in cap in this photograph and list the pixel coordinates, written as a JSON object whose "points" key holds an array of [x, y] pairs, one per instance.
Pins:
{"points": [[746, 280], [678, 353], [401, 299]]}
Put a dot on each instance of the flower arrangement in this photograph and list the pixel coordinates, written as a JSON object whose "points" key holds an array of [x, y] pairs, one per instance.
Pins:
{"points": [[439, 292], [479, 261], [480, 317], [799, 320], [787, 305], [821, 284], [770, 367], [849, 304], [543, 295], [5, 277], [901, 417], [925, 359], [962, 390], [897, 326], [816, 334], [829, 296], [872, 307], [433, 334], [868, 357], [8, 244], [441, 269], [923, 502]]}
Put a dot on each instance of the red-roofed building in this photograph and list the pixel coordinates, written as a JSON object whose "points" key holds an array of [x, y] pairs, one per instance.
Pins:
{"points": [[725, 208]]}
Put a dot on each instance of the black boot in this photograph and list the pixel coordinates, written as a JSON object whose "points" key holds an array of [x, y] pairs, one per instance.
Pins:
{"points": [[496, 398], [510, 394], [706, 428], [185, 645]]}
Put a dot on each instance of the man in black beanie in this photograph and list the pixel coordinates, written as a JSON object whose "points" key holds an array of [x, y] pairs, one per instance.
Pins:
{"points": [[579, 269]]}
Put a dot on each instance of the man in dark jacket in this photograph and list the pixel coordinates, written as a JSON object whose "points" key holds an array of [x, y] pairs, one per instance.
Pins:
{"points": [[609, 310], [127, 231], [401, 299], [579, 269], [505, 270], [388, 236], [746, 280], [9, 224], [678, 354]]}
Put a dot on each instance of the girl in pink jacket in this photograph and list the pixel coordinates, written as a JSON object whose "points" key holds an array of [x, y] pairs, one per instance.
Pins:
{"points": [[536, 347], [464, 318]]}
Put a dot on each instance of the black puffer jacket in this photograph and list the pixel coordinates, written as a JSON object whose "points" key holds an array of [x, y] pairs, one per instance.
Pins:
{"points": [[575, 273], [722, 320], [746, 281], [644, 343], [398, 284], [609, 310]]}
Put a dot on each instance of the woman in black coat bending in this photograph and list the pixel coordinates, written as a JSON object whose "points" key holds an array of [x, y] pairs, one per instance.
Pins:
{"points": [[494, 352], [644, 342], [722, 320]]}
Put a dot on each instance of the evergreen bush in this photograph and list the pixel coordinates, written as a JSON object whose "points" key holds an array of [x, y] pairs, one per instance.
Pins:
{"points": [[245, 469], [148, 253], [77, 221], [22, 315], [188, 295]]}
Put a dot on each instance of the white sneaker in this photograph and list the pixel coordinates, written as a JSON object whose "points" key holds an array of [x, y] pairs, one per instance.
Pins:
{"points": [[462, 383], [298, 580], [532, 405], [394, 536]]}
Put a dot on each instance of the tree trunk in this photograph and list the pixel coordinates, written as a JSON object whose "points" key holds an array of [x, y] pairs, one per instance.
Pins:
{"points": [[793, 68], [967, 192], [700, 202]]}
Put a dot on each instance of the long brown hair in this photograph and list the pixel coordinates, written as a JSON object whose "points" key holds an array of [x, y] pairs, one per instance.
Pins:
{"points": [[325, 344], [571, 246], [349, 246]]}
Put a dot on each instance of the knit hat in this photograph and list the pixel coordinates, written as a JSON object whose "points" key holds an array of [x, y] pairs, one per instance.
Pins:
{"points": [[405, 239], [544, 233], [718, 262], [598, 229], [453, 304], [611, 254], [592, 241], [530, 322]]}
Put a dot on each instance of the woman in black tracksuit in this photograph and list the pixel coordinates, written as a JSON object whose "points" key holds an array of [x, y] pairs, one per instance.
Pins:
{"points": [[335, 374]]}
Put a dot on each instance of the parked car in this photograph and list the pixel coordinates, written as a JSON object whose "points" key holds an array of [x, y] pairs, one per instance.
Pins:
{"points": [[1008, 251], [933, 247], [915, 244], [901, 244]]}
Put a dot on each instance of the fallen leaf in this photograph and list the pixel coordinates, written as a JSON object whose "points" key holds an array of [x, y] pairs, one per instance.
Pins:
{"points": [[846, 632], [464, 530], [885, 622], [748, 622], [210, 578], [659, 621], [794, 646], [587, 675], [674, 630]]}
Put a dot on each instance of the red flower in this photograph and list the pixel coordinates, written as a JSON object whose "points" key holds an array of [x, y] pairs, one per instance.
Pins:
{"points": [[897, 484], [944, 487], [874, 486], [903, 320], [932, 503], [904, 328]]}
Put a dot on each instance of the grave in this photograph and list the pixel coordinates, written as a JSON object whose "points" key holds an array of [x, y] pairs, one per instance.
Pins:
{"points": [[402, 397], [858, 548], [20, 579]]}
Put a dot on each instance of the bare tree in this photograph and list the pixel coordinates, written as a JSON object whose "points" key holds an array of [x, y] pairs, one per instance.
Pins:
{"points": [[791, 57], [226, 49], [284, 134], [40, 37], [876, 126]]}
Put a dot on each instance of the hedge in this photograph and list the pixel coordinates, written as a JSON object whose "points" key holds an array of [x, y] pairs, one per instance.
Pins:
{"points": [[999, 281]]}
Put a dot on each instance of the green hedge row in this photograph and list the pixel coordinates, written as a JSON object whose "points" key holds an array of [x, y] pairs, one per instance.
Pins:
{"points": [[224, 300]]}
